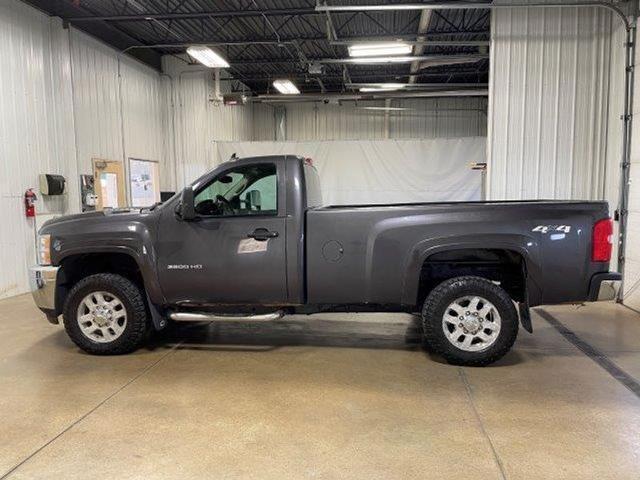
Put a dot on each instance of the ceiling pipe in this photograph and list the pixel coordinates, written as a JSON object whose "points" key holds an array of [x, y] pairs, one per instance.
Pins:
{"points": [[205, 44], [435, 43], [194, 15], [364, 61], [329, 97], [261, 77], [421, 85]]}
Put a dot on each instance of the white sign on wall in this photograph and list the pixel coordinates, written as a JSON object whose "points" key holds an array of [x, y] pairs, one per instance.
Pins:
{"points": [[144, 182]]}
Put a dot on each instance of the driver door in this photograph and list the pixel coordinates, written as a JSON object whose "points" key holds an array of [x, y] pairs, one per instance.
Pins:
{"points": [[234, 251]]}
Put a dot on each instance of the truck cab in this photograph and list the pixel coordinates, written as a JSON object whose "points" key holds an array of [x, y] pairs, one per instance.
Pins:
{"points": [[242, 241]]}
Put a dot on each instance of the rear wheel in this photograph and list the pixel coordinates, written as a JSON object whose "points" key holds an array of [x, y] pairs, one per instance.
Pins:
{"points": [[105, 314], [469, 321]]}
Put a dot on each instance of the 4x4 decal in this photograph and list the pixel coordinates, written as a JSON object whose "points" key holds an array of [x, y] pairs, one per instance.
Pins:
{"points": [[552, 228]]}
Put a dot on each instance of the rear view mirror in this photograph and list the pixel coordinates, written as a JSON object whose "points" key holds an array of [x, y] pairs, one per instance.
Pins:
{"points": [[187, 209]]}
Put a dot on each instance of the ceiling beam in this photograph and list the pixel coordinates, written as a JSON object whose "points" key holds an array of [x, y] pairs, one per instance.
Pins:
{"points": [[418, 49], [262, 77], [423, 86], [431, 39], [141, 17], [425, 42], [314, 97]]}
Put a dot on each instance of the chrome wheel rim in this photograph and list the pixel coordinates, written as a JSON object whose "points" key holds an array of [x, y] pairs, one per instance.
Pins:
{"points": [[102, 317], [471, 323]]}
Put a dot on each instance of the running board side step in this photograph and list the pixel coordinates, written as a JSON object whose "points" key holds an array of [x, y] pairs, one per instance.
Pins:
{"points": [[212, 317]]}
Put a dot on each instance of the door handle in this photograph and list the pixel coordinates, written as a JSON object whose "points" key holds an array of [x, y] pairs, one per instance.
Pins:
{"points": [[262, 234]]}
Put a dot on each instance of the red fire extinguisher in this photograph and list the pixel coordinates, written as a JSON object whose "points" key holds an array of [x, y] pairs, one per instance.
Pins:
{"points": [[30, 203]]}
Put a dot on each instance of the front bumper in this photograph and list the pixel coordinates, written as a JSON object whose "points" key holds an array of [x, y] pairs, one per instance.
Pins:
{"points": [[42, 280], [604, 286]]}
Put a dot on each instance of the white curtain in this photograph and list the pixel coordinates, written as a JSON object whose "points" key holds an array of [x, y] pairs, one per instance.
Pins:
{"points": [[384, 171]]}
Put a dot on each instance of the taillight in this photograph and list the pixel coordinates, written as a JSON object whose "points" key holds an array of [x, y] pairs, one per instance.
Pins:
{"points": [[602, 240]]}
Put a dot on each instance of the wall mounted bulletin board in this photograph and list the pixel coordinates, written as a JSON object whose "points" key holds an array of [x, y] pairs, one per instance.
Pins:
{"points": [[144, 182], [109, 181]]}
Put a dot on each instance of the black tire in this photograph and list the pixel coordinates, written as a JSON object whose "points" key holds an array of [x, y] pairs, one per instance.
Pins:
{"points": [[445, 294], [133, 301]]}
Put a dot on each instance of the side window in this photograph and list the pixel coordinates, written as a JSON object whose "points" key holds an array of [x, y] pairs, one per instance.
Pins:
{"points": [[246, 190]]}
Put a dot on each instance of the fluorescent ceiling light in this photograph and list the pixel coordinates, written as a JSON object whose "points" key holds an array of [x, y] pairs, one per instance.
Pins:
{"points": [[402, 59], [383, 87], [286, 87], [388, 109], [207, 57], [379, 49]]}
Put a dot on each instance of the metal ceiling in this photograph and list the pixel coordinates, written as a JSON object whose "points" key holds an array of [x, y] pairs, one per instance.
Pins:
{"points": [[268, 39]]}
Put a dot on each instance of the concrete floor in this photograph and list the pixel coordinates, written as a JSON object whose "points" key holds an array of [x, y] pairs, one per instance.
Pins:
{"points": [[319, 398]]}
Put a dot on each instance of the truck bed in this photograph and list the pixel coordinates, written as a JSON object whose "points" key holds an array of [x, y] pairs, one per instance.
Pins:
{"points": [[374, 253]]}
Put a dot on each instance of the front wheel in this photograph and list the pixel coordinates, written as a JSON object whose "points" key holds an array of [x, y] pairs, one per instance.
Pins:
{"points": [[469, 321], [105, 314]]}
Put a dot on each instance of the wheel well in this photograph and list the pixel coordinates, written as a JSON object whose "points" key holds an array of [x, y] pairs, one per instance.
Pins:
{"points": [[76, 267], [498, 265]]}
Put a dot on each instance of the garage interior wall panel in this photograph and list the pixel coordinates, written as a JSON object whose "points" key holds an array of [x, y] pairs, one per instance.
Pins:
{"points": [[423, 118], [554, 104], [96, 101], [263, 122], [199, 119], [118, 103], [632, 254], [60, 106], [439, 117], [143, 111], [36, 128]]}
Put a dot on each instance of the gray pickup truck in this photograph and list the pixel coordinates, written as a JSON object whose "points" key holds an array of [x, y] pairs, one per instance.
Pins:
{"points": [[251, 240]]}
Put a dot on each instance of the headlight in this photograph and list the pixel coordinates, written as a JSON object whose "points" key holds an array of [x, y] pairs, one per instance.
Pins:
{"points": [[44, 249]]}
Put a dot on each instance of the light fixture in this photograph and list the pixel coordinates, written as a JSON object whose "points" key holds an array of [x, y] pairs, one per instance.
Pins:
{"points": [[286, 87], [388, 109], [402, 59], [207, 57], [383, 87], [379, 49]]}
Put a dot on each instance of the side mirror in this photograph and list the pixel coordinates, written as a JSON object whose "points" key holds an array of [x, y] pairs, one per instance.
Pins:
{"points": [[187, 207]]}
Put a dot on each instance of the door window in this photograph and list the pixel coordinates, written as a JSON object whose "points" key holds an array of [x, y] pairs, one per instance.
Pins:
{"points": [[246, 190]]}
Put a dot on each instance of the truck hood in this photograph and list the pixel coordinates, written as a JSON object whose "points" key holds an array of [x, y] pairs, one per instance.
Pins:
{"points": [[122, 230], [91, 217]]}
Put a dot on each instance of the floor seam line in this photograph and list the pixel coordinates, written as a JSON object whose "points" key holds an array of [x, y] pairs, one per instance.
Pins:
{"points": [[599, 357], [88, 413], [467, 387]]}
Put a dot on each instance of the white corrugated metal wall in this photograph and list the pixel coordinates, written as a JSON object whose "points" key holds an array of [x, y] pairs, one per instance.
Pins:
{"points": [[264, 122], [36, 129], [118, 105], [554, 104], [61, 105], [199, 120], [423, 118], [632, 254]]}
